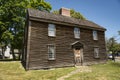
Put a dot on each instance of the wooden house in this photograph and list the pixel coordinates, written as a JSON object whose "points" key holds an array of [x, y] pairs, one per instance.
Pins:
{"points": [[52, 41]]}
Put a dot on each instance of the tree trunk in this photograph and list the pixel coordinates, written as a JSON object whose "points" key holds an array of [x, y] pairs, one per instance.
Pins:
{"points": [[13, 54], [20, 52], [113, 56], [3, 51]]}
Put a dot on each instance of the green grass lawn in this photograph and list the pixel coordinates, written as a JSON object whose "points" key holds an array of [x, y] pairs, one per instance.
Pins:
{"points": [[109, 71], [15, 71]]}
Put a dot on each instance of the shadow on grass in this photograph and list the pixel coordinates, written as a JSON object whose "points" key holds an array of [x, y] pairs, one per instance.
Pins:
{"points": [[6, 60], [117, 64]]}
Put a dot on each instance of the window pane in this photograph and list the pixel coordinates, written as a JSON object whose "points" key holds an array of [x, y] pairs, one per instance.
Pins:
{"points": [[51, 52], [51, 33], [96, 52], [95, 37], [51, 30], [77, 32]]}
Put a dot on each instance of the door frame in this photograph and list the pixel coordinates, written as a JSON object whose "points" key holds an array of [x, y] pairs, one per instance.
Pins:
{"points": [[78, 50]]}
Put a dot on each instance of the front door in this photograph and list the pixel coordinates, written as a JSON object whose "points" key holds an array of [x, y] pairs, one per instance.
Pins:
{"points": [[78, 54]]}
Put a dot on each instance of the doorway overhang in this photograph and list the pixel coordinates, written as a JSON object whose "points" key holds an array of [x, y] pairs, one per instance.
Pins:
{"points": [[77, 44]]}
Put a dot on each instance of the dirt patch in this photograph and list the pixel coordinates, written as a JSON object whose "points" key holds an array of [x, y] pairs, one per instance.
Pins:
{"points": [[79, 69]]}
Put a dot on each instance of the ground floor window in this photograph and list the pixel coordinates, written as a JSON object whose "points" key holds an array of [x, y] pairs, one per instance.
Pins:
{"points": [[96, 52], [51, 52]]}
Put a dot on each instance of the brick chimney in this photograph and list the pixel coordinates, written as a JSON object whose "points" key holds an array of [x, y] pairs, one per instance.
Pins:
{"points": [[65, 12]]}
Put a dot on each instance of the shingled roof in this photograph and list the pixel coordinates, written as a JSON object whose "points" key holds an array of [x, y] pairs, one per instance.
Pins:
{"points": [[60, 19]]}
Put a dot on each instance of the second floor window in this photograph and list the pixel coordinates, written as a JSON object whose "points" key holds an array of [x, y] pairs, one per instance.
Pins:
{"points": [[95, 35], [77, 33], [51, 30]]}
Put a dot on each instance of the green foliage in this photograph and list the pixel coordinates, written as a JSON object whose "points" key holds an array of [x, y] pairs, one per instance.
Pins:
{"points": [[116, 48], [40, 5], [12, 14], [55, 12], [112, 45], [73, 14], [12, 19], [77, 15]]}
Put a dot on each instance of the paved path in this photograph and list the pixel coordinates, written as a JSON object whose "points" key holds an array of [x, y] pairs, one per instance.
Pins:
{"points": [[117, 59], [79, 69]]}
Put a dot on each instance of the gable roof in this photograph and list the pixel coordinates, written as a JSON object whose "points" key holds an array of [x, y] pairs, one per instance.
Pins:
{"points": [[60, 19]]}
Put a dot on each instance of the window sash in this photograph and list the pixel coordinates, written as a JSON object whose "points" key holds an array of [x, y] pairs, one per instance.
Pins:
{"points": [[51, 30], [76, 32], [51, 33], [51, 52], [96, 52], [95, 35], [77, 35]]}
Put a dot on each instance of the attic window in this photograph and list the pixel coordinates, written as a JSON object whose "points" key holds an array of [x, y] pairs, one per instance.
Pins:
{"points": [[51, 30], [77, 33], [95, 35]]}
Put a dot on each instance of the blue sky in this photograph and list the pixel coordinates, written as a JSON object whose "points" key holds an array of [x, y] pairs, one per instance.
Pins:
{"points": [[103, 12]]}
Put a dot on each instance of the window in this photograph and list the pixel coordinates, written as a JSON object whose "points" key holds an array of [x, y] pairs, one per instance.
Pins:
{"points": [[51, 30], [95, 36], [96, 52], [51, 52], [77, 32]]}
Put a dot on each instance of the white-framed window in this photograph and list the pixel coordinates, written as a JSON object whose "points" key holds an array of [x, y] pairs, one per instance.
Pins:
{"points": [[51, 52], [95, 35], [96, 52], [76, 32], [51, 30]]}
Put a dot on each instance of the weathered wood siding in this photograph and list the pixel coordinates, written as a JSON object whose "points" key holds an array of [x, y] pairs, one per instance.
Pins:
{"points": [[39, 39]]}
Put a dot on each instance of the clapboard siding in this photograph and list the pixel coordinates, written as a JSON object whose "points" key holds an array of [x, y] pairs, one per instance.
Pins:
{"points": [[39, 40]]}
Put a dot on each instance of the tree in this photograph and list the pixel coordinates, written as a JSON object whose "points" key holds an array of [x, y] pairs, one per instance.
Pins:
{"points": [[77, 15], [112, 46], [12, 20], [119, 32], [40, 5], [55, 12], [73, 14]]}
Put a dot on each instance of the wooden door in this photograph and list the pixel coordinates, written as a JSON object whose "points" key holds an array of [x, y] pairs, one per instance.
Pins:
{"points": [[78, 54]]}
